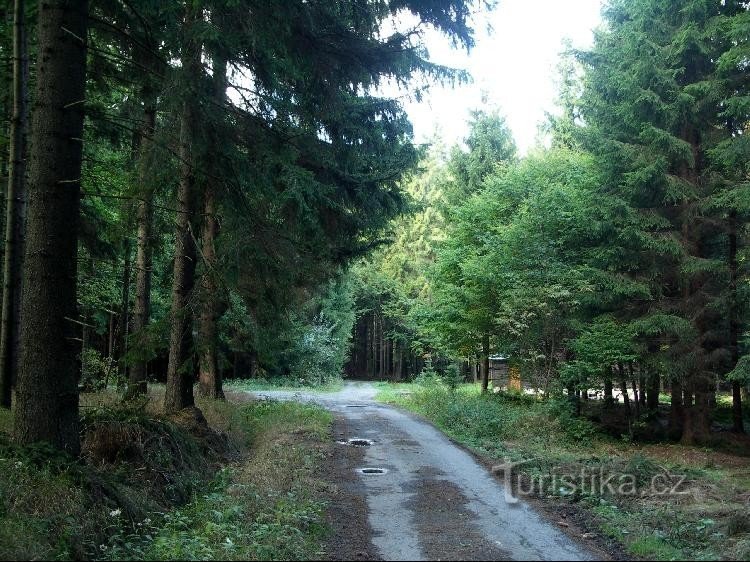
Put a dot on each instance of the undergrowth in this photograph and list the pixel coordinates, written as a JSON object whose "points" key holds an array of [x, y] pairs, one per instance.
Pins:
{"points": [[157, 488]]}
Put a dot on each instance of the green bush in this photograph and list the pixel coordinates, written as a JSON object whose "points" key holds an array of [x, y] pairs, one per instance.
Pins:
{"points": [[95, 370], [318, 356], [449, 377], [575, 428]]}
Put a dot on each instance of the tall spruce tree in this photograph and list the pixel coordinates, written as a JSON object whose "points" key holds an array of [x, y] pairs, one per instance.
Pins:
{"points": [[731, 197], [181, 370], [653, 107], [317, 156], [212, 295]]}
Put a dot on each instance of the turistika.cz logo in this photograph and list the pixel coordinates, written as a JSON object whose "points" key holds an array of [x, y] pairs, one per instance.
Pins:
{"points": [[592, 482]]}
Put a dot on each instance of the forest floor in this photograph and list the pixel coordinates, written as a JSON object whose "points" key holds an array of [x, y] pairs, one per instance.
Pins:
{"points": [[407, 492], [659, 501], [243, 483]]}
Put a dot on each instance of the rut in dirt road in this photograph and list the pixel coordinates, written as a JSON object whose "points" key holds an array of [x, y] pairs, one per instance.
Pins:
{"points": [[432, 500]]}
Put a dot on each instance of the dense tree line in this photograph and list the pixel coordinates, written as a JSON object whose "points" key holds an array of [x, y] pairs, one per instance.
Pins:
{"points": [[199, 175], [614, 259]]}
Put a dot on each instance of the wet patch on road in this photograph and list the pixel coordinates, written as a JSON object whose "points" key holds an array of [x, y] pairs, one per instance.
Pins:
{"points": [[369, 471], [406, 443]]}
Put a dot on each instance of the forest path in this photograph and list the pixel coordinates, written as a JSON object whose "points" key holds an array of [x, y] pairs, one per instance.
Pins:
{"points": [[433, 501]]}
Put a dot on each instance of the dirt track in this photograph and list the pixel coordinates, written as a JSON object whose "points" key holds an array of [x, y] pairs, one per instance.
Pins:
{"points": [[433, 501]]}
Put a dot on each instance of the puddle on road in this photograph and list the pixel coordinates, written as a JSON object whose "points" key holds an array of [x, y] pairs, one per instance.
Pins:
{"points": [[370, 471], [357, 442]]}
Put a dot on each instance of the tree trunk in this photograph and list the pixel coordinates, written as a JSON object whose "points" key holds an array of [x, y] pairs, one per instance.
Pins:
{"points": [[47, 388], [209, 377], [485, 362], [365, 359], [360, 367], [636, 397], [88, 385], [180, 370], [575, 405], [641, 387], [676, 410], [626, 398], [124, 327], [697, 413], [138, 373], [386, 357], [609, 398], [389, 352], [111, 336], [15, 211], [376, 346], [381, 348], [394, 359], [624, 387], [738, 425], [652, 394], [687, 395], [254, 370]]}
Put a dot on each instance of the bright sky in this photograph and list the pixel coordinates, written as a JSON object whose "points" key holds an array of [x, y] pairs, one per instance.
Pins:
{"points": [[513, 67]]}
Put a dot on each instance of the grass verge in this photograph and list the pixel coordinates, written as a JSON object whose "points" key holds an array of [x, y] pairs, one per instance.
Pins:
{"points": [[241, 487], [707, 518]]}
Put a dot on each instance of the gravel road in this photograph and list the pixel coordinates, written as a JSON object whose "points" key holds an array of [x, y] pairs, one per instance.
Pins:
{"points": [[432, 500]]}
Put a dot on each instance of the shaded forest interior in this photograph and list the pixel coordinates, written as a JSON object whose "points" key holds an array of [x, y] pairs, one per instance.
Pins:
{"points": [[377, 356], [211, 190]]}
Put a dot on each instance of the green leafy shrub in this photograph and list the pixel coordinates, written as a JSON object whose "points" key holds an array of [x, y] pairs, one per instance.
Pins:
{"points": [[428, 377], [317, 357], [94, 370], [575, 428], [448, 377]]}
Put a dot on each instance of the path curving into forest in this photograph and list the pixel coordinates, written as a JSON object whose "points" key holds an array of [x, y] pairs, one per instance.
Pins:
{"points": [[434, 501]]}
